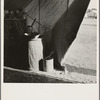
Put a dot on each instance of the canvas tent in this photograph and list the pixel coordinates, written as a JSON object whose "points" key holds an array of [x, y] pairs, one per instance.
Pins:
{"points": [[57, 20]]}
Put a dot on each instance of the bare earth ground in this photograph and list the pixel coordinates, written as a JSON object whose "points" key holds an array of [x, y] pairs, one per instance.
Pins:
{"points": [[80, 60]]}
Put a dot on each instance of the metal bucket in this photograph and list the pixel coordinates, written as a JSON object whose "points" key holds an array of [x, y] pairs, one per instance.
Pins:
{"points": [[49, 65]]}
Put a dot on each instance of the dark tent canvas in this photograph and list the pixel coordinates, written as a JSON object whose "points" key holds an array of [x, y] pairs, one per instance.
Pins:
{"points": [[15, 4]]}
